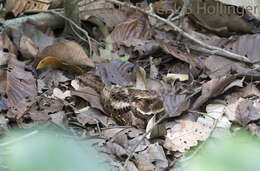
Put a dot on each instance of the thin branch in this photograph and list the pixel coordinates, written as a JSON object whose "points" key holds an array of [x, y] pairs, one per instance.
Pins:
{"points": [[217, 50]]}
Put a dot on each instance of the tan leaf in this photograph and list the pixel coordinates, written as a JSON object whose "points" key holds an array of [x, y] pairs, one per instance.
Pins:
{"points": [[181, 77], [60, 94], [141, 79], [69, 52], [18, 6], [56, 63], [3, 72], [186, 134], [6, 44], [250, 90], [28, 48], [243, 111]]}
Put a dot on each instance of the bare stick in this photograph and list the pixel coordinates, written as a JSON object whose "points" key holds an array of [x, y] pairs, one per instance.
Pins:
{"points": [[217, 50]]}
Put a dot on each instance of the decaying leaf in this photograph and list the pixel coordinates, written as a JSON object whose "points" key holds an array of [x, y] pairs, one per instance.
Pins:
{"points": [[49, 79], [31, 37], [28, 48], [20, 83], [215, 118], [158, 130], [186, 134], [133, 31], [57, 63], [243, 111], [6, 44], [116, 72], [60, 119], [57, 93], [174, 103], [153, 157], [222, 20], [69, 52], [19, 6], [134, 36], [141, 79], [3, 73], [250, 90], [211, 88], [89, 95], [93, 117], [104, 11]]}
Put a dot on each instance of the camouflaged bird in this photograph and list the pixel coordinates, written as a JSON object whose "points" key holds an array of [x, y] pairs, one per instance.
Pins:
{"points": [[128, 106]]}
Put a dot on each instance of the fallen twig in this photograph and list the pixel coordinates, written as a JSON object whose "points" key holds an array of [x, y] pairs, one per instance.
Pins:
{"points": [[216, 50]]}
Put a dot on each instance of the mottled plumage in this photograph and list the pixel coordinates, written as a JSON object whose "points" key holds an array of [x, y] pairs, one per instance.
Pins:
{"points": [[125, 104]]}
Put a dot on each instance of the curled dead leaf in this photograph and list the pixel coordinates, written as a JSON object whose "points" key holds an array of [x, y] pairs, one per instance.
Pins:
{"points": [[69, 52], [56, 63]]}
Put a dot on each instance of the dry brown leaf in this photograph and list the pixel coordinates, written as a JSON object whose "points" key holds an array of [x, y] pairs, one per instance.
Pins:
{"points": [[32, 111], [3, 73], [39, 34], [6, 44], [250, 90], [136, 30], [49, 79], [104, 11], [20, 83], [93, 117], [57, 63], [69, 52], [151, 158], [114, 149], [245, 45], [117, 72], [223, 19], [28, 48], [243, 111], [18, 6], [183, 56], [174, 103], [60, 118], [186, 134], [141, 79], [89, 95], [212, 88]]}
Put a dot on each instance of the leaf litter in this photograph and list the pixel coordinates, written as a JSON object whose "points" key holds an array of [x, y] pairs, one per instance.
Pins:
{"points": [[204, 95]]}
